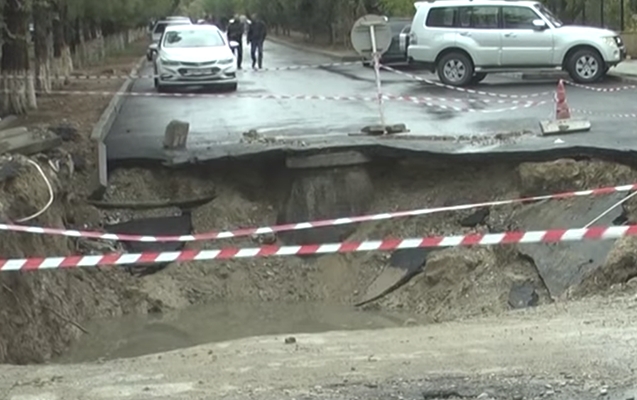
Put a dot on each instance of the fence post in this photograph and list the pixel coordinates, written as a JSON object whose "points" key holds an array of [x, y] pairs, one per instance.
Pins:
{"points": [[601, 13], [622, 27]]}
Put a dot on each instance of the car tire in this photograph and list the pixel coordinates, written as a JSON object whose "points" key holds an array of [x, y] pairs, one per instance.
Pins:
{"points": [[463, 72], [478, 77], [149, 57], [586, 66]]}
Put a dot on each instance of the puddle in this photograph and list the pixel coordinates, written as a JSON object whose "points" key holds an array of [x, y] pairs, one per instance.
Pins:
{"points": [[133, 336]]}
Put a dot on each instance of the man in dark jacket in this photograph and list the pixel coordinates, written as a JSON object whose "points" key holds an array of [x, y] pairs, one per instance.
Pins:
{"points": [[235, 33], [256, 37]]}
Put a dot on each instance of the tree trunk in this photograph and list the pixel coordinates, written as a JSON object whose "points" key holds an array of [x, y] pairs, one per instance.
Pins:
{"points": [[61, 65], [42, 28], [18, 91]]}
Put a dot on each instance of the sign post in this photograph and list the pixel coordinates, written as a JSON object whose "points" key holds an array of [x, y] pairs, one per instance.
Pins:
{"points": [[371, 37]]}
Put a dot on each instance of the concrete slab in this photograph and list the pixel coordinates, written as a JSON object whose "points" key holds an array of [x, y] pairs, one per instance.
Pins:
{"points": [[564, 126], [28, 143], [563, 265]]}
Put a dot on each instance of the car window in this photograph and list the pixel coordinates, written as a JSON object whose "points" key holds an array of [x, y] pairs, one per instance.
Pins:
{"points": [[518, 17], [160, 28], [193, 38], [464, 17], [440, 17], [484, 17]]}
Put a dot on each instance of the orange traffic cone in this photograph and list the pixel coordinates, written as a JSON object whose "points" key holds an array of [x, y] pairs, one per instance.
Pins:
{"points": [[561, 107]]}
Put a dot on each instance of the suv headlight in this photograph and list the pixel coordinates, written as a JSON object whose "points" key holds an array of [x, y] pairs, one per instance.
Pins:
{"points": [[610, 41], [226, 61]]}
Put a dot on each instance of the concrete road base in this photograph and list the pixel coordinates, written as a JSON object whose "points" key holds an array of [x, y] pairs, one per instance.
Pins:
{"points": [[563, 126]]}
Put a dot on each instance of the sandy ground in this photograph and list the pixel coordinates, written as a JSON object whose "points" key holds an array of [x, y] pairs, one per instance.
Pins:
{"points": [[583, 349]]}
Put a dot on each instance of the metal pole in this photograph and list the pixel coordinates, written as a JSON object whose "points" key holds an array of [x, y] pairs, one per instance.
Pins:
{"points": [[376, 57], [622, 26], [601, 13]]}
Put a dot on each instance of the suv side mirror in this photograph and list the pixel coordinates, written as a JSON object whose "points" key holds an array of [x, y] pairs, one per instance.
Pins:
{"points": [[539, 24]]}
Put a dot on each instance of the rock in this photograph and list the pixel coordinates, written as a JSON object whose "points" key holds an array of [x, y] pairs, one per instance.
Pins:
{"points": [[65, 131], [477, 218], [290, 340], [9, 169], [483, 396], [523, 296], [264, 238], [176, 135], [79, 162]]}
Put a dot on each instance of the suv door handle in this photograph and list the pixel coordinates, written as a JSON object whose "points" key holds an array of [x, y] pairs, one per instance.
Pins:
{"points": [[509, 34]]}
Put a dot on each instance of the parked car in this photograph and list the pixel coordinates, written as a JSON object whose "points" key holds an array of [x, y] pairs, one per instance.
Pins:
{"points": [[195, 55], [464, 40], [397, 52], [158, 30]]}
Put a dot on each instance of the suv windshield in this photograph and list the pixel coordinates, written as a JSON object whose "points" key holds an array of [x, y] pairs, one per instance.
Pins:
{"points": [[549, 15], [193, 38]]}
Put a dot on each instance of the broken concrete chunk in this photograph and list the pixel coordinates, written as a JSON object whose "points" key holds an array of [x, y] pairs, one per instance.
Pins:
{"points": [[523, 296], [396, 128], [374, 130], [13, 132], [176, 135]]}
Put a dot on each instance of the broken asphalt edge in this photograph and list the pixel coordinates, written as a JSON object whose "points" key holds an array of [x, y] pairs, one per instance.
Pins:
{"points": [[308, 49], [103, 126]]}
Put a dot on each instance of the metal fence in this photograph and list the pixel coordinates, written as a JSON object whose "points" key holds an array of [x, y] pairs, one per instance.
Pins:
{"points": [[613, 14]]}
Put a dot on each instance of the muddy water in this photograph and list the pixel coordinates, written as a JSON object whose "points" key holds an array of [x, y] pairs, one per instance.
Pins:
{"points": [[133, 336]]}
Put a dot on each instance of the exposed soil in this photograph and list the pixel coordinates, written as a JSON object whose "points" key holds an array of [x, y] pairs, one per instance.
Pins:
{"points": [[48, 307]]}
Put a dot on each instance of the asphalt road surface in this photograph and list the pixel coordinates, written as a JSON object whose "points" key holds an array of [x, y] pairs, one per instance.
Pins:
{"points": [[473, 120]]}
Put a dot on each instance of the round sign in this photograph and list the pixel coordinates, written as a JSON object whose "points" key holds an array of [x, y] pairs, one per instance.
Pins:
{"points": [[362, 36]]}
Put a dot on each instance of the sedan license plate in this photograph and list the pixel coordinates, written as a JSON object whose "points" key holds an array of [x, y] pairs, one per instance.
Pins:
{"points": [[198, 72]]}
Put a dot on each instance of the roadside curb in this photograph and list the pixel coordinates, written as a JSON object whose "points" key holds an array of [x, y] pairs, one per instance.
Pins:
{"points": [[103, 126], [308, 49]]}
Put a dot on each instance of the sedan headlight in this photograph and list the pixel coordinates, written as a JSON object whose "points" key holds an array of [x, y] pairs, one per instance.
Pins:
{"points": [[609, 41], [168, 62], [226, 61]]}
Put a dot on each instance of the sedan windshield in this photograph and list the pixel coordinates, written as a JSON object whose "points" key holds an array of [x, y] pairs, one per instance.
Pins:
{"points": [[193, 38], [549, 15]]}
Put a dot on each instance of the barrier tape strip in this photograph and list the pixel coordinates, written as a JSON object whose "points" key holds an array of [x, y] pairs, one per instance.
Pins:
{"points": [[465, 90], [586, 112], [515, 237], [152, 76], [599, 89], [428, 101], [491, 94], [242, 232]]}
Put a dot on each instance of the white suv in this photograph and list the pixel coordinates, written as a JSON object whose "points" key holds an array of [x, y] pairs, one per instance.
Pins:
{"points": [[463, 40]]}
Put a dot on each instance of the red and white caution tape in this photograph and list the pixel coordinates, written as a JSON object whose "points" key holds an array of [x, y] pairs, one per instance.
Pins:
{"points": [[82, 77], [586, 112], [548, 236], [242, 232], [428, 101], [601, 89], [465, 90]]}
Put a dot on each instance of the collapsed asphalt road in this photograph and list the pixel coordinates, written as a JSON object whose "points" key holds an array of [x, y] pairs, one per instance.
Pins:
{"points": [[217, 124]]}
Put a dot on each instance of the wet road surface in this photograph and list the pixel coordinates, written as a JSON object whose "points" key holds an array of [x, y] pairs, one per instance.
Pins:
{"points": [[217, 124]]}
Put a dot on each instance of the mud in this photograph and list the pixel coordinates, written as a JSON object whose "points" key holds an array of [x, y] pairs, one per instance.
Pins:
{"points": [[47, 311]]}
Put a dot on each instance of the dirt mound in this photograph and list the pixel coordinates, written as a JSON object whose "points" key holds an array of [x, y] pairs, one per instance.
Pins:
{"points": [[42, 311]]}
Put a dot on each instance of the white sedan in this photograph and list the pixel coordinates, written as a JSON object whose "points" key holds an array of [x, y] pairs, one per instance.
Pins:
{"points": [[195, 55]]}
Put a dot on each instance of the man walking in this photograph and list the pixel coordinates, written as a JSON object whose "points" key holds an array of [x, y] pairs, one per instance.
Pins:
{"points": [[256, 36], [235, 33]]}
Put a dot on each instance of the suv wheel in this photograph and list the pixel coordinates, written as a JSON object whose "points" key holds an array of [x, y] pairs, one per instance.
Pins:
{"points": [[455, 69], [585, 66]]}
